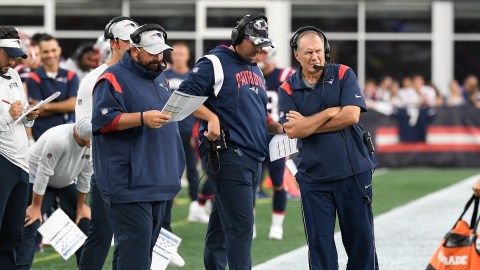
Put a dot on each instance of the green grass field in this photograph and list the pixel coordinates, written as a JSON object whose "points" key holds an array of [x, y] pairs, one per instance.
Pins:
{"points": [[391, 188]]}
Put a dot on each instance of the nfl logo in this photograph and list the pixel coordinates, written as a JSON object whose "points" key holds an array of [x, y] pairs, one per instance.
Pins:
{"points": [[80, 102], [49, 155], [104, 111]]}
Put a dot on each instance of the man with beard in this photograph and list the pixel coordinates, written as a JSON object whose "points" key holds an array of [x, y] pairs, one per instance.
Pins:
{"points": [[138, 156]]}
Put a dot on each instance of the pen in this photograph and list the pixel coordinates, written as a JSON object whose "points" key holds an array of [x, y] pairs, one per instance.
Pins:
{"points": [[6, 101]]}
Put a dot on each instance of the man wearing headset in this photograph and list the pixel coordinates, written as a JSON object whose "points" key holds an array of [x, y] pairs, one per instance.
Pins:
{"points": [[138, 155], [117, 33], [320, 105], [235, 113]]}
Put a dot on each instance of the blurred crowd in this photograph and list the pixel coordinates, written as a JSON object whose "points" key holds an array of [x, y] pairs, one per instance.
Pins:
{"points": [[413, 92]]}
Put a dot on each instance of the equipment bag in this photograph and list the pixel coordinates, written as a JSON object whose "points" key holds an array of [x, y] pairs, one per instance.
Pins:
{"points": [[458, 248]]}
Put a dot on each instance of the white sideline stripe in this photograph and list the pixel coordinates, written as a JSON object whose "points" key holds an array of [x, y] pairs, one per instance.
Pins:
{"points": [[406, 237], [453, 139]]}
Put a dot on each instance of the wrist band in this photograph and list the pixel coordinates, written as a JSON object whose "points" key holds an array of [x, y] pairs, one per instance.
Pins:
{"points": [[141, 118]]}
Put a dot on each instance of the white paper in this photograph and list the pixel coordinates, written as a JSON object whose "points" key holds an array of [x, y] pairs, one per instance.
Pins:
{"points": [[38, 105], [281, 146], [181, 105], [167, 244], [62, 233], [291, 167]]}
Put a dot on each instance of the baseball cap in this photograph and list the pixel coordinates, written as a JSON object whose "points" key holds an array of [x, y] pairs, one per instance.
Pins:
{"points": [[123, 29], [12, 48], [257, 32], [152, 41]]}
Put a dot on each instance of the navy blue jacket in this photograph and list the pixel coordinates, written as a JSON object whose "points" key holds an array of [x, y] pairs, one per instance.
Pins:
{"points": [[40, 86], [139, 164], [236, 94], [333, 155]]}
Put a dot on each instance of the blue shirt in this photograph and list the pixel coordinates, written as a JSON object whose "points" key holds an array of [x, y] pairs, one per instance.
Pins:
{"points": [[175, 79], [236, 94], [333, 155], [40, 86], [139, 164]]}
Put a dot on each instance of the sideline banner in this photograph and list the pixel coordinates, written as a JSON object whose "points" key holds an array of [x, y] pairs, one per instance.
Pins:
{"points": [[451, 137]]}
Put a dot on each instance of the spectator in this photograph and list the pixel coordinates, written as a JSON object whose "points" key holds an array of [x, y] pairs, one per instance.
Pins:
{"points": [[455, 97]]}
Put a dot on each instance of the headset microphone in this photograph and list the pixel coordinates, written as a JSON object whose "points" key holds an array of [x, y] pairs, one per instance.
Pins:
{"points": [[318, 67]]}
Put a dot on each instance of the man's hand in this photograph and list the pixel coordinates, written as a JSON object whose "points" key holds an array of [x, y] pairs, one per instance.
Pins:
{"points": [[33, 115], [32, 214], [83, 211], [476, 188], [298, 125], [155, 118], [16, 109], [213, 129]]}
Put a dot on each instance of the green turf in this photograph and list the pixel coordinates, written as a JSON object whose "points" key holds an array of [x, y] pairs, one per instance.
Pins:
{"points": [[391, 188]]}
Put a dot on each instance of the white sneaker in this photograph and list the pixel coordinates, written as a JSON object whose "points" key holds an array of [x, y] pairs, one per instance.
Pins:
{"points": [[177, 260], [208, 206], [197, 213], [276, 232]]}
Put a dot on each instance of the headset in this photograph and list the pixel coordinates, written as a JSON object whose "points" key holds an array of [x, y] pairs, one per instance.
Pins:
{"points": [[326, 46], [107, 34], [7, 30], [136, 37], [237, 33]]}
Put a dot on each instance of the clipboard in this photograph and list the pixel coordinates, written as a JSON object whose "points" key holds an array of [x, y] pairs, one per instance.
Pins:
{"points": [[38, 105]]}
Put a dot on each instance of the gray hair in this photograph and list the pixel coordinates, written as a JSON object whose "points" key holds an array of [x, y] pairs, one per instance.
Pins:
{"points": [[307, 33]]}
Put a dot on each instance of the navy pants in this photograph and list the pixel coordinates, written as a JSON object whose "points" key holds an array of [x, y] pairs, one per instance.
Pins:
{"points": [[97, 245], [235, 177], [13, 203], [136, 227], [321, 202], [65, 198], [191, 162]]}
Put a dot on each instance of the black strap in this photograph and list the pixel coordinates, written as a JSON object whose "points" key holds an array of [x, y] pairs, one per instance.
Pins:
{"points": [[474, 220]]}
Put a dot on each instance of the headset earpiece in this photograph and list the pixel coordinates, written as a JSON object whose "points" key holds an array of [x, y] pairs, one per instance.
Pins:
{"points": [[326, 45], [237, 32], [107, 34], [136, 37]]}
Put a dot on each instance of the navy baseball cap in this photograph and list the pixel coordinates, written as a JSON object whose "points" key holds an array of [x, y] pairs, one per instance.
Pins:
{"points": [[11, 45]]}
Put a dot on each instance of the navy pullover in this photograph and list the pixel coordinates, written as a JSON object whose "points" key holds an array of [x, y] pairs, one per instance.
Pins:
{"points": [[139, 164], [236, 94], [333, 155]]}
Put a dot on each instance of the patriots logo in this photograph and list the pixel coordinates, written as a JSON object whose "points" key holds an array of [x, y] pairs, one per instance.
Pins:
{"points": [[260, 25], [330, 81], [254, 89], [195, 70], [79, 102]]}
